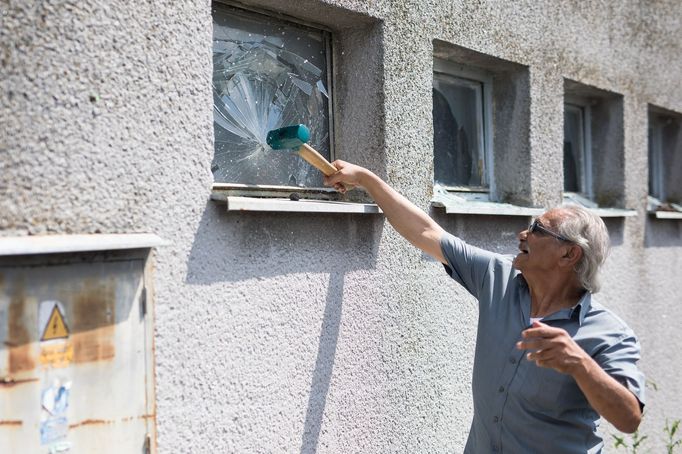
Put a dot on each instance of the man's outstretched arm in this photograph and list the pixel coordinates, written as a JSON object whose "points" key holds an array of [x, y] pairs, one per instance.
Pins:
{"points": [[408, 220]]}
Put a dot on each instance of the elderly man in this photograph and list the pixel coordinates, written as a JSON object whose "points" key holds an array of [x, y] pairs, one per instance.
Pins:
{"points": [[549, 360]]}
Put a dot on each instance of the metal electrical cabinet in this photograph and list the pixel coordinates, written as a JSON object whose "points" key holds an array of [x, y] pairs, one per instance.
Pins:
{"points": [[76, 351]]}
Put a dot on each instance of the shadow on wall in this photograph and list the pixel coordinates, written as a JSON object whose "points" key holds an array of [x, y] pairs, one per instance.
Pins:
{"points": [[236, 246], [616, 227], [663, 233], [233, 247], [324, 364]]}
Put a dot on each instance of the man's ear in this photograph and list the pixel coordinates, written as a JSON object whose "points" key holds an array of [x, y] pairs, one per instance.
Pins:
{"points": [[572, 255]]}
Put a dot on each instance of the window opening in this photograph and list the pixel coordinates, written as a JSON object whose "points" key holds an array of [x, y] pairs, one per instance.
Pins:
{"points": [[461, 128], [577, 150], [267, 73], [656, 172], [665, 162]]}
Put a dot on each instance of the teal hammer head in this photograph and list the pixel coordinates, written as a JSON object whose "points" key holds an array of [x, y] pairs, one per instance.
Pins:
{"points": [[288, 137]]}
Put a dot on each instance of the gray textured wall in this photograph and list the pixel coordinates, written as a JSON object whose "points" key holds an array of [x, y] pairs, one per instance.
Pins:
{"points": [[285, 332]]}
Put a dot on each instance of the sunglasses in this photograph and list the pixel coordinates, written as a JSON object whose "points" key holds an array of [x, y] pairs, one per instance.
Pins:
{"points": [[536, 227]]}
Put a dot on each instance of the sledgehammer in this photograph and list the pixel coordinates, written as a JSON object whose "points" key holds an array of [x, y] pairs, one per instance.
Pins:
{"points": [[295, 138]]}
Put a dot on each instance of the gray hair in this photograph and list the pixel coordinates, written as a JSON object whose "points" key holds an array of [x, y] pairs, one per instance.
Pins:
{"points": [[588, 231]]}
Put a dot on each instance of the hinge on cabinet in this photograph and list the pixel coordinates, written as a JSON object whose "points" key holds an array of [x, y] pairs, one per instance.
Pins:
{"points": [[143, 302], [147, 448]]}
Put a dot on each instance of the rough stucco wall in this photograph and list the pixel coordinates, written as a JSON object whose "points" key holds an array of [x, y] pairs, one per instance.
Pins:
{"points": [[284, 332]]}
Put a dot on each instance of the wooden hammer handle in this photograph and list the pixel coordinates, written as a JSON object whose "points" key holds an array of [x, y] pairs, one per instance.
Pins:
{"points": [[316, 159]]}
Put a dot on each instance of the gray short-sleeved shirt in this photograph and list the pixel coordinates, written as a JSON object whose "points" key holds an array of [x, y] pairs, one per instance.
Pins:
{"points": [[518, 406]]}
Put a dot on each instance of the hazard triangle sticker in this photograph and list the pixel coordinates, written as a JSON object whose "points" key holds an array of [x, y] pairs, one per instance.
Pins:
{"points": [[55, 327]]}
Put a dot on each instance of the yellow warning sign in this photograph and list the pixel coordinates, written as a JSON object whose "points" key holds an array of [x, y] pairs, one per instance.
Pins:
{"points": [[56, 355], [55, 328]]}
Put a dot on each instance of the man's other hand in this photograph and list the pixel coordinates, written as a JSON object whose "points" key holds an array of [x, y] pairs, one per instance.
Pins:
{"points": [[553, 348]]}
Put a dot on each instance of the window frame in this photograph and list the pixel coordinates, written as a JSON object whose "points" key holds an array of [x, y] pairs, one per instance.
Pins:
{"points": [[583, 106], [277, 190], [659, 201], [485, 104], [655, 152]]}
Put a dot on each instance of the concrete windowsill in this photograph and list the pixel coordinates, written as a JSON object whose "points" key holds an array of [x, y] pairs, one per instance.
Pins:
{"points": [[613, 212], [487, 208], [666, 214], [289, 199], [603, 212], [237, 203], [663, 210], [477, 203]]}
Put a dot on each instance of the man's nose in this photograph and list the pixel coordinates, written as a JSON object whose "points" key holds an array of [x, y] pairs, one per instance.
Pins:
{"points": [[523, 235]]}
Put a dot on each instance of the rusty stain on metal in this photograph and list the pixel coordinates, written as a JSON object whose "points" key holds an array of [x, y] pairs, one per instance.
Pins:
{"points": [[20, 358], [94, 329], [94, 294], [9, 382], [94, 345], [11, 422], [93, 422], [90, 422]]}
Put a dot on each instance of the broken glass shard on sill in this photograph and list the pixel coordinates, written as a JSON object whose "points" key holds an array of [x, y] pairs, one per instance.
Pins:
{"points": [[267, 74]]}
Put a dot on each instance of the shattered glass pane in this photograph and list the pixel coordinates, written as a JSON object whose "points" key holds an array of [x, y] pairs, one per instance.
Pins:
{"points": [[656, 160], [574, 150], [267, 74], [458, 131]]}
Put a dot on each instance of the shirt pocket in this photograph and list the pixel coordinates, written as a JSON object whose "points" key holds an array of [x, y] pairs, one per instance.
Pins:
{"points": [[546, 390]]}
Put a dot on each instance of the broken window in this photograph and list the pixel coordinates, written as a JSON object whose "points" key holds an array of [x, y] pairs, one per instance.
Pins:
{"points": [[460, 133], [665, 160], [656, 169], [267, 73], [594, 148], [576, 150]]}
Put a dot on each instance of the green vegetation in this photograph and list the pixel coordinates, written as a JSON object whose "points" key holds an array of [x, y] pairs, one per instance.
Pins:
{"points": [[634, 443], [671, 432]]}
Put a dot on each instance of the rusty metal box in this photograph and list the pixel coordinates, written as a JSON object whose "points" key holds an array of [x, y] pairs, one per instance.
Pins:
{"points": [[76, 353]]}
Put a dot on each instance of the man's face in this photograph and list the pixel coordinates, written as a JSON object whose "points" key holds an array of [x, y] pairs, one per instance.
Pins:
{"points": [[539, 251]]}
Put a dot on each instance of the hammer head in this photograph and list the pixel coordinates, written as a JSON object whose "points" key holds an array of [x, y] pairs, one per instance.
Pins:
{"points": [[288, 137]]}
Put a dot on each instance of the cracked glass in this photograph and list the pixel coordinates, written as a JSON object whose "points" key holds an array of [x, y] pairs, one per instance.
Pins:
{"points": [[458, 131], [267, 74], [574, 149]]}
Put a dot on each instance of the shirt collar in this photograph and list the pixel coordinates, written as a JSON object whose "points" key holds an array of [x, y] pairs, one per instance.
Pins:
{"points": [[580, 310], [583, 307]]}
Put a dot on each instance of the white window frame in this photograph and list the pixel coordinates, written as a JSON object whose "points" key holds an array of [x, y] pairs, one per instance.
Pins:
{"points": [[484, 106], [586, 193]]}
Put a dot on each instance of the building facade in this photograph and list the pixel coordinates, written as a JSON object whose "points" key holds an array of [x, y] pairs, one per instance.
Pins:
{"points": [[288, 318]]}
